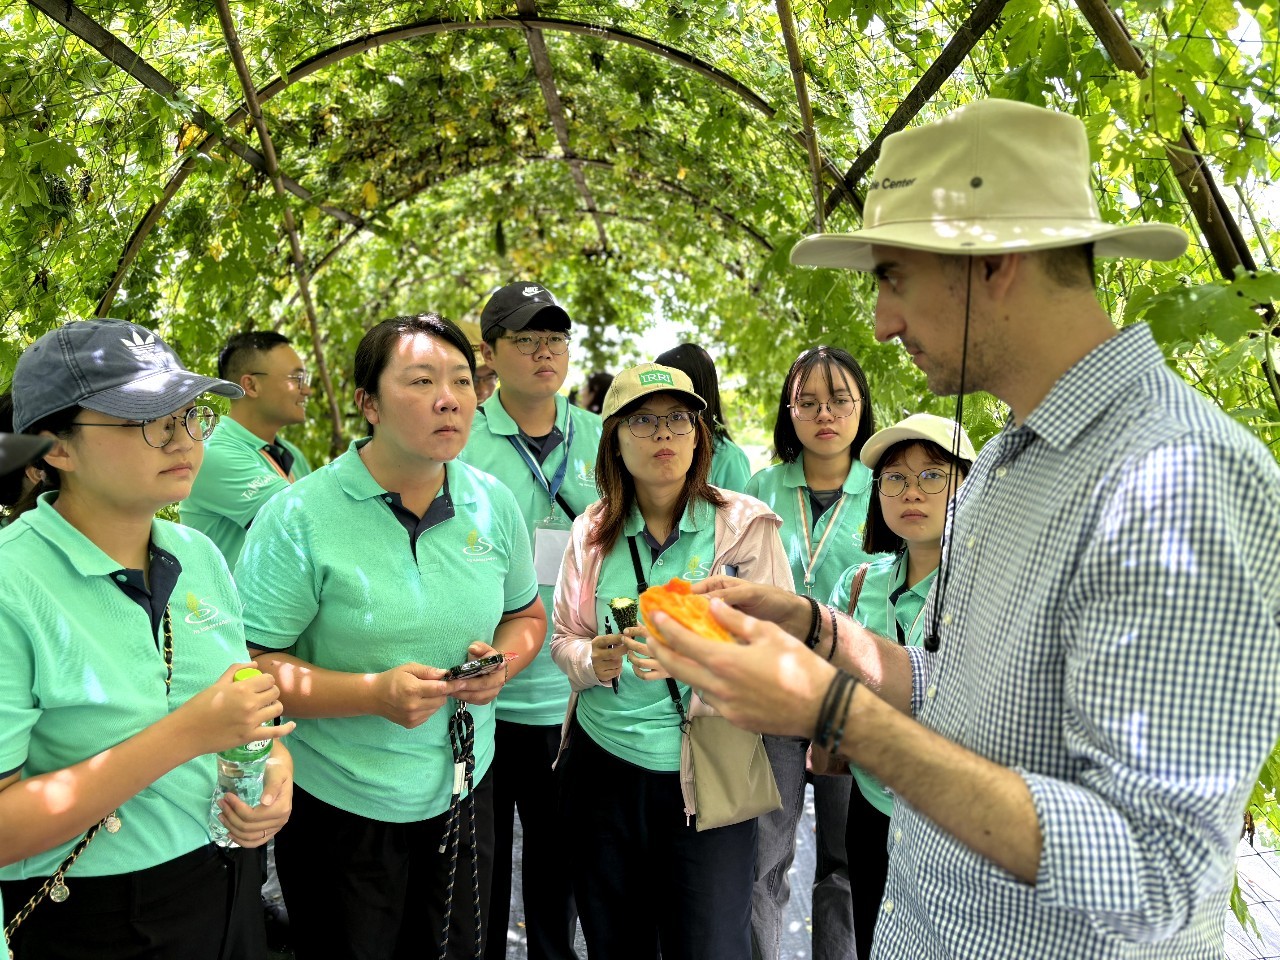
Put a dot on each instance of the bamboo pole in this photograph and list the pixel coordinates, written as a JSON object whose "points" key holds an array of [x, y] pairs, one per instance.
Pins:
{"points": [[787, 21], [295, 245]]}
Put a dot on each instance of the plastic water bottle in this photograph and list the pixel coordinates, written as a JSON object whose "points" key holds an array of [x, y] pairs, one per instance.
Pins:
{"points": [[240, 771]]}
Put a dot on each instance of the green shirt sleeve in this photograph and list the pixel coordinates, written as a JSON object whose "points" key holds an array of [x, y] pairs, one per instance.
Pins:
{"points": [[233, 483], [277, 581], [730, 468]]}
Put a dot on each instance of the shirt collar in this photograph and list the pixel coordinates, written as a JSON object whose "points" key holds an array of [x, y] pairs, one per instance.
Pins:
{"points": [[696, 517], [85, 556], [1093, 385], [858, 480], [357, 482], [501, 424]]}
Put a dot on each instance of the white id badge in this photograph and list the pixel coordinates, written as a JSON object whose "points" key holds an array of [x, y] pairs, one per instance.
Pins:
{"points": [[550, 541]]}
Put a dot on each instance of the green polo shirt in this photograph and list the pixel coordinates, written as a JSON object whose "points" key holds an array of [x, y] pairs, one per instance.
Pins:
{"points": [[875, 612], [640, 724], [327, 573], [540, 694], [234, 481], [82, 671], [730, 467], [836, 538]]}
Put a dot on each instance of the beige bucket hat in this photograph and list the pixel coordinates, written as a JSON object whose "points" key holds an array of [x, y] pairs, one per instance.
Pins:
{"points": [[994, 176]]}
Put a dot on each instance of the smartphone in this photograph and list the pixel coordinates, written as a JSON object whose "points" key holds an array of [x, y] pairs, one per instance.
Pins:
{"points": [[475, 668]]}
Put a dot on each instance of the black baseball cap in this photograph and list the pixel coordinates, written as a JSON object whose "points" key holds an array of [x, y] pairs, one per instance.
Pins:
{"points": [[515, 306]]}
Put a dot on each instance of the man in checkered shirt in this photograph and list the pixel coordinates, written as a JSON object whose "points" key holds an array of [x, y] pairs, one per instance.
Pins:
{"points": [[1071, 765]]}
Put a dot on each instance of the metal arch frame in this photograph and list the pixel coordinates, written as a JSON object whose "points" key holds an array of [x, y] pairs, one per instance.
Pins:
{"points": [[430, 27], [667, 186]]}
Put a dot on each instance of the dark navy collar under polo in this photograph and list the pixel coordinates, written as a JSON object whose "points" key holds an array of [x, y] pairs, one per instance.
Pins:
{"points": [[439, 510], [163, 573]]}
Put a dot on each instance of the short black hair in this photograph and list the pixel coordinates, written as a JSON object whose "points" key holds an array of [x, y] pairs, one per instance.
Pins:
{"points": [[697, 363], [876, 535], [1070, 266], [233, 361], [786, 444], [376, 346]]}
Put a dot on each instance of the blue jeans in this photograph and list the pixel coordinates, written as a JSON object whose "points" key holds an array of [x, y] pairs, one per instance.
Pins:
{"points": [[832, 902]]}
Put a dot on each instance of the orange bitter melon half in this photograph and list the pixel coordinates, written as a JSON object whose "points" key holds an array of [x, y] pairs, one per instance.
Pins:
{"points": [[690, 610]]}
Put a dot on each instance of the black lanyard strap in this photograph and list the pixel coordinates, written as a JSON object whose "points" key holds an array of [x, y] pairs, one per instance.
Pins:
{"points": [[641, 586]]}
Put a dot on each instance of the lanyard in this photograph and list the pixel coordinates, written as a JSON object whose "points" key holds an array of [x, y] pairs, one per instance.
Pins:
{"points": [[552, 487], [814, 553], [274, 466], [642, 584], [891, 611]]}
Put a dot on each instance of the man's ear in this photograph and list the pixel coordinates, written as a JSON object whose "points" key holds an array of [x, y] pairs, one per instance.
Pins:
{"points": [[367, 404], [996, 273], [486, 351], [249, 385]]}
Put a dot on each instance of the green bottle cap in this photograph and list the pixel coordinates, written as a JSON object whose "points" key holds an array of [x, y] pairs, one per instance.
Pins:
{"points": [[244, 673]]}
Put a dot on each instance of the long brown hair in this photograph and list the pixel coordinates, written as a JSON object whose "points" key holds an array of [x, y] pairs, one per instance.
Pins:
{"points": [[617, 488]]}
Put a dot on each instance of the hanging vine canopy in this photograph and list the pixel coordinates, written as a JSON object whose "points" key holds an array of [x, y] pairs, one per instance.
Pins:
{"points": [[637, 157]]}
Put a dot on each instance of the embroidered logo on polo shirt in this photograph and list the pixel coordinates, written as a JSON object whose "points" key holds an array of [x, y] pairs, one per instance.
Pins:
{"points": [[477, 546], [201, 611], [586, 471], [697, 570]]}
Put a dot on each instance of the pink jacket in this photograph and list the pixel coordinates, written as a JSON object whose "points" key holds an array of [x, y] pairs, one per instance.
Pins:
{"points": [[746, 536]]}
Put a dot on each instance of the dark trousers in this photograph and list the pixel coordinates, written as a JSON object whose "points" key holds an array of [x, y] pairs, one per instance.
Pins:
{"points": [[645, 880], [866, 838], [202, 905], [362, 889], [523, 780]]}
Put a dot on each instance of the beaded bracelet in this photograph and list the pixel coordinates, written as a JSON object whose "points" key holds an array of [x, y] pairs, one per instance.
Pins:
{"points": [[815, 625], [835, 634]]}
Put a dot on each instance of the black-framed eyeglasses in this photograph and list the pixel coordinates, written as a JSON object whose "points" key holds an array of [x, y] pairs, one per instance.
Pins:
{"points": [[557, 343], [838, 407], [199, 422], [645, 425], [300, 380], [894, 483]]}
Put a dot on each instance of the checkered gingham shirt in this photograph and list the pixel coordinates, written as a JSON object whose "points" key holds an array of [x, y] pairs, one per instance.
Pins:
{"points": [[1111, 631]]}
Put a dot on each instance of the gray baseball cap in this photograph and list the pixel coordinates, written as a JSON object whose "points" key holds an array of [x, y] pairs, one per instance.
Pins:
{"points": [[110, 366]]}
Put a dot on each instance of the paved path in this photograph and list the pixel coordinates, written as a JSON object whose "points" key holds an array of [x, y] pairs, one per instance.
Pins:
{"points": [[1259, 871]]}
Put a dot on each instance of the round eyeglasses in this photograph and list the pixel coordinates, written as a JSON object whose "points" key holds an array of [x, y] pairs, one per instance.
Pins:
{"points": [[838, 407], [198, 421], [557, 343], [679, 423], [300, 380], [894, 483]]}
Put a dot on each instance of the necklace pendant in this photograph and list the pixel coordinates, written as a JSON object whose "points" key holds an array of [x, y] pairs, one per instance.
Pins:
{"points": [[113, 823], [58, 893]]}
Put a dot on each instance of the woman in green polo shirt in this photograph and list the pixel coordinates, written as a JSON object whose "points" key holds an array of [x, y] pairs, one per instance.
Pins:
{"points": [[645, 879], [821, 492], [916, 474], [364, 582], [119, 635]]}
